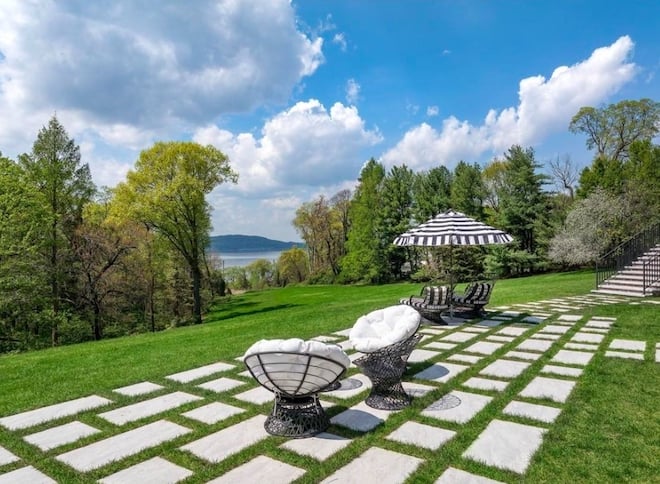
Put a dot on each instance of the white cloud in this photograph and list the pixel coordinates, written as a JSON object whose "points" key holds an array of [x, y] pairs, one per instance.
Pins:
{"points": [[304, 146], [545, 107], [352, 91], [340, 40], [128, 77], [432, 111]]}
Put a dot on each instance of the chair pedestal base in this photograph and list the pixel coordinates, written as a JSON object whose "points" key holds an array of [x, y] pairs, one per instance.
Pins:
{"points": [[385, 368], [296, 417]]}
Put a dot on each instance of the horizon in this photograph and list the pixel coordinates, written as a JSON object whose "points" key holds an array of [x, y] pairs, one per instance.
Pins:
{"points": [[299, 95]]}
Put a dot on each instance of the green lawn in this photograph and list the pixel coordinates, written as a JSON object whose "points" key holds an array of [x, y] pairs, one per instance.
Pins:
{"points": [[607, 431]]}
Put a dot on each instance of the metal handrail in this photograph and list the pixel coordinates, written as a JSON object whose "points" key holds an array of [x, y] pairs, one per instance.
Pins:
{"points": [[650, 273], [625, 253]]}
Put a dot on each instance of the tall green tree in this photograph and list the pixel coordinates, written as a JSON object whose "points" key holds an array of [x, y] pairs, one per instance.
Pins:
{"points": [[611, 130], [431, 193], [468, 191], [167, 191], [55, 169], [364, 260], [522, 200]]}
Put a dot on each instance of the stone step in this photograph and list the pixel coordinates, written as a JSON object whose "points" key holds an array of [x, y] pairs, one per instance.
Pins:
{"points": [[617, 292]]}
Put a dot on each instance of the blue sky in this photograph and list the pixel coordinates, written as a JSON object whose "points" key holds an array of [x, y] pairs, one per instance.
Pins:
{"points": [[300, 94]]}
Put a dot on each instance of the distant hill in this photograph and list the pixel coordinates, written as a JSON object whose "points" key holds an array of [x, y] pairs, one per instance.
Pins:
{"points": [[248, 243]]}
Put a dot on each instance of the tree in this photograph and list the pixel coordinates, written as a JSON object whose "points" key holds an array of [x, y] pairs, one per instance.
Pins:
{"points": [[467, 190], [493, 178], [611, 130], [364, 258], [54, 168], [167, 192], [293, 266], [565, 174], [604, 173], [431, 192]]}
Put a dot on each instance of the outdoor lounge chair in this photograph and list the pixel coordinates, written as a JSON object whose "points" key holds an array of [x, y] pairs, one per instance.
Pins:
{"points": [[431, 303], [474, 299], [387, 337], [295, 371]]}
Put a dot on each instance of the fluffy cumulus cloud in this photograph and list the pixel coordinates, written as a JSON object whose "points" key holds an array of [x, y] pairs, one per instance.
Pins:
{"points": [[129, 72], [304, 146], [352, 91], [545, 107]]}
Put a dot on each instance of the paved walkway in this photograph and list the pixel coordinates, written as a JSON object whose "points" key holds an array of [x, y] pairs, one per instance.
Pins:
{"points": [[103, 431]]}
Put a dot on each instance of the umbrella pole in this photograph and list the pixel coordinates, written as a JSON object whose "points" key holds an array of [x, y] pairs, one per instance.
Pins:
{"points": [[451, 280]]}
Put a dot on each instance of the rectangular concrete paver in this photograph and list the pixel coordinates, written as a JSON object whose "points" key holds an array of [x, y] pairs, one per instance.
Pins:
{"points": [[441, 372], [153, 470], [555, 329], [45, 414], [458, 476], [213, 412], [320, 446], [457, 406], [550, 336], [474, 329], [122, 445], [416, 390], [219, 445], [63, 434], [506, 445], [361, 417], [261, 469], [459, 337], [512, 331], [501, 339], [419, 355], [562, 370], [483, 348], [258, 396], [542, 413], [201, 372], [582, 337], [535, 345], [628, 345], [486, 384], [465, 358], [148, 408], [579, 358], [26, 475], [541, 387], [376, 466], [625, 354], [7, 457], [141, 388], [523, 355], [581, 346], [505, 368], [421, 435], [351, 386], [440, 345], [220, 385]]}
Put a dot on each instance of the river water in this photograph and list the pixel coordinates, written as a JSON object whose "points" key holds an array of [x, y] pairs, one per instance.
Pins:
{"points": [[242, 259]]}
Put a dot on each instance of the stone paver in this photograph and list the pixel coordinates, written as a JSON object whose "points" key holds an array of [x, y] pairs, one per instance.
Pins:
{"points": [[63, 434], [7, 457], [261, 469], [523, 355], [439, 345], [475, 329], [376, 466], [555, 329], [52, 412], [153, 470], [542, 413], [483, 348], [258, 396], [354, 385], [551, 388], [26, 475], [562, 370], [550, 336], [421, 435], [419, 355], [595, 323], [458, 476], [506, 445], [141, 388], [459, 337], [320, 446], [581, 337], [505, 368], [500, 339], [457, 406], [534, 319], [569, 357], [581, 346], [219, 445], [625, 354], [213, 412], [490, 323], [441, 372], [535, 345], [201, 372], [570, 317], [465, 358], [325, 338], [512, 331], [361, 417], [122, 445], [343, 332], [416, 390], [486, 384], [148, 408], [628, 345], [221, 384]]}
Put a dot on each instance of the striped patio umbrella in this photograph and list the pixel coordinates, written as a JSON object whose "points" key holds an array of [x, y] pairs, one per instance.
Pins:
{"points": [[449, 229]]}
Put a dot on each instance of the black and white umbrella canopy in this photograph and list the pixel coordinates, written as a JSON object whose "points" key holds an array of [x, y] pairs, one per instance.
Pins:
{"points": [[452, 228]]}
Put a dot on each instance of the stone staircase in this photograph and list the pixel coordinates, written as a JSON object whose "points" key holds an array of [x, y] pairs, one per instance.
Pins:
{"points": [[630, 280]]}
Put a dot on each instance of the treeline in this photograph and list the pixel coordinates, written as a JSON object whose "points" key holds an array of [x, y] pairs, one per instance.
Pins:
{"points": [[559, 218], [78, 263]]}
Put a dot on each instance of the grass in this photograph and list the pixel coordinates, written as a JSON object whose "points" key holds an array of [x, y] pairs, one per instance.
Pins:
{"points": [[607, 431]]}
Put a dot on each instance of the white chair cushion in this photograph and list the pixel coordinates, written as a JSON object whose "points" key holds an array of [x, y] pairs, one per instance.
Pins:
{"points": [[294, 366], [384, 327]]}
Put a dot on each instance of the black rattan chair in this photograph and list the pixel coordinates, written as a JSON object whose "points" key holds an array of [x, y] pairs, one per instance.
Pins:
{"points": [[431, 303]]}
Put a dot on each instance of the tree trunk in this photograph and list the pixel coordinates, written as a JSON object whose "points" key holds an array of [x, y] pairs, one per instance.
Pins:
{"points": [[54, 286], [97, 323], [197, 296]]}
